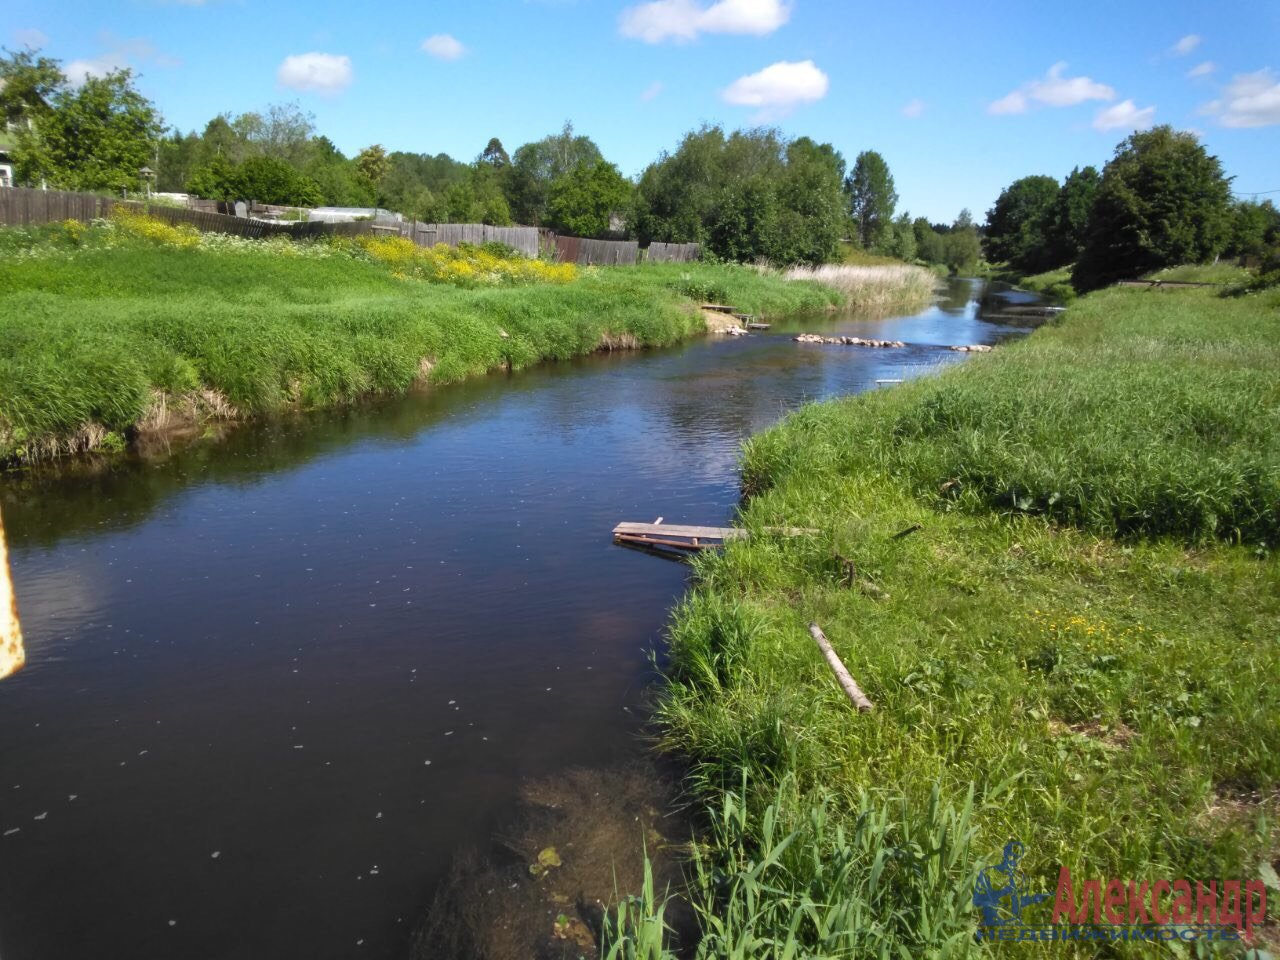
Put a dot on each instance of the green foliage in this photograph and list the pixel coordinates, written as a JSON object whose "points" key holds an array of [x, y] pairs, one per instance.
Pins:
{"points": [[91, 325], [1020, 223], [872, 198], [582, 202], [1069, 220], [28, 84], [536, 166], [373, 164], [93, 137], [1162, 201], [961, 249], [267, 179], [745, 196], [1031, 675], [1255, 229]]}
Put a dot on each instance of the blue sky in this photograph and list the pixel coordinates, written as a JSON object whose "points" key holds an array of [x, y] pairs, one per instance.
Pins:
{"points": [[961, 99]]}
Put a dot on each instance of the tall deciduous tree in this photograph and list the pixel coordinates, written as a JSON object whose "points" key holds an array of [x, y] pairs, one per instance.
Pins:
{"points": [[537, 165], [1018, 226], [27, 85], [97, 136], [1070, 218], [583, 201], [872, 198], [1163, 200], [373, 164]]}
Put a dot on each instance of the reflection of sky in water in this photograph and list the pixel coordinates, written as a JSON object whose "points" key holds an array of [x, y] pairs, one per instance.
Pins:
{"points": [[342, 641]]}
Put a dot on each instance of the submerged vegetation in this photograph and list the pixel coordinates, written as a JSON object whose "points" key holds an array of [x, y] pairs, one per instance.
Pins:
{"points": [[1074, 647], [133, 325]]}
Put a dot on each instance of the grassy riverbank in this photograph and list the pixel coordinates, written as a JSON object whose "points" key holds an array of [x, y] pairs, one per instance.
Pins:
{"points": [[1076, 648], [107, 332]]}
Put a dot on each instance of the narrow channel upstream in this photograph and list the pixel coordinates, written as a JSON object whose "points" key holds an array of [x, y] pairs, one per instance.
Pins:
{"points": [[275, 681]]}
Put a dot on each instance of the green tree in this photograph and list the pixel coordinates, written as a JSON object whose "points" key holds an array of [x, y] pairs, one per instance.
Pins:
{"points": [[961, 245], [930, 246], [1018, 226], [1255, 228], [28, 83], [373, 164], [745, 196], [900, 239], [1163, 200], [216, 180], [537, 165], [872, 198], [176, 160], [93, 137], [583, 201], [495, 155], [1069, 224], [265, 179]]}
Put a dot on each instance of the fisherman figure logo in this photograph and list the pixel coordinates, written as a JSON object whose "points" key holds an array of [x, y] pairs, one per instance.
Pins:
{"points": [[1004, 883]]}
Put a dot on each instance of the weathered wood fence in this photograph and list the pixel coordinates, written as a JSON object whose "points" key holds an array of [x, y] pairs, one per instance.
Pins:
{"points": [[604, 252], [522, 239], [672, 252], [23, 206]]}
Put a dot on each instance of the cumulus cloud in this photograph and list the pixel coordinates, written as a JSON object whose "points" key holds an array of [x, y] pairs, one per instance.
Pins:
{"points": [[1054, 90], [1249, 100], [778, 88], [30, 37], [324, 73], [1185, 45], [442, 46], [651, 91], [913, 108], [1125, 115], [684, 20], [1202, 69]]}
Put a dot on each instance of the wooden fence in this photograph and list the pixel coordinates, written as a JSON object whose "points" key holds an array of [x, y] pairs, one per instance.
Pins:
{"points": [[22, 206], [522, 239], [604, 252], [672, 252]]}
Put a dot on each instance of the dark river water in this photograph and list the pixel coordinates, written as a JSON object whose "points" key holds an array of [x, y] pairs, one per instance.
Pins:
{"points": [[275, 681]]}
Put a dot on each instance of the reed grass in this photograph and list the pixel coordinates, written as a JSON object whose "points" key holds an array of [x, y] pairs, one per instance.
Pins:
{"points": [[873, 285]]}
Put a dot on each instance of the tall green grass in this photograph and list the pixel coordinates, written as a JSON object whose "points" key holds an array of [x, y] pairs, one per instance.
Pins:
{"points": [[91, 336], [1081, 635]]}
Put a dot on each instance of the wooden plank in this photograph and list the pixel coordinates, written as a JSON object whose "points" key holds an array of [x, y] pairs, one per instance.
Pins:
{"points": [[702, 533], [676, 530], [847, 683], [661, 542]]}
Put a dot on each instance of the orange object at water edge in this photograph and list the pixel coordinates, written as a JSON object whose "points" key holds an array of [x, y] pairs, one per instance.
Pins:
{"points": [[12, 656]]}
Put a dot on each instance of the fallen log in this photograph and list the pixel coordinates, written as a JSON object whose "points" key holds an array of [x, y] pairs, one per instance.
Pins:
{"points": [[850, 686]]}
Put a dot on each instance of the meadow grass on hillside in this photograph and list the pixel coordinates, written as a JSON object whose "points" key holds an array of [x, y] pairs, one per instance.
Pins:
{"points": [[1110, 702], [111, 329]]}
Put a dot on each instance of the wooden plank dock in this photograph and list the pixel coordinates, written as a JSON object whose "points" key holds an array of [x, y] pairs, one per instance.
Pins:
{"points": [[674, 536]]}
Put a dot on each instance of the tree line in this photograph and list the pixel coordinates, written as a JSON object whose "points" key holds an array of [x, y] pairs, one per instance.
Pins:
{"points": [[1161, 201], [744, 195]]}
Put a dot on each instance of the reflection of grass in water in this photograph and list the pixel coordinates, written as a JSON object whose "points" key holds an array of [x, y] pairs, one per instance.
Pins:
{"points": [[601, 824]]}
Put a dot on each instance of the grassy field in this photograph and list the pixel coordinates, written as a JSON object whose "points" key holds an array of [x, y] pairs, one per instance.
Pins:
{"points": [[107, 331], [1077, 647]]}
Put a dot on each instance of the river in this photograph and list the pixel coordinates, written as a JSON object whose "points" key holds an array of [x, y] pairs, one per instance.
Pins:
{"points": [[274, 680]]}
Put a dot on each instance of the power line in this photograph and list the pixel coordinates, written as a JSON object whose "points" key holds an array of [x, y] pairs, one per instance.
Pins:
{"points": [[1257, 193]]}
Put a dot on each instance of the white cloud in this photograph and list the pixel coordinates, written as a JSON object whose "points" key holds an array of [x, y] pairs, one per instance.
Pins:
{"points": [[1124, 115], [913, 108], [651, 91], [31, 37], [1202, 69], [683, 20], [323, 73], [1249, 100], [1055, 90], [779, 87], [122, 53], [1185, 45], [442, 46]]}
